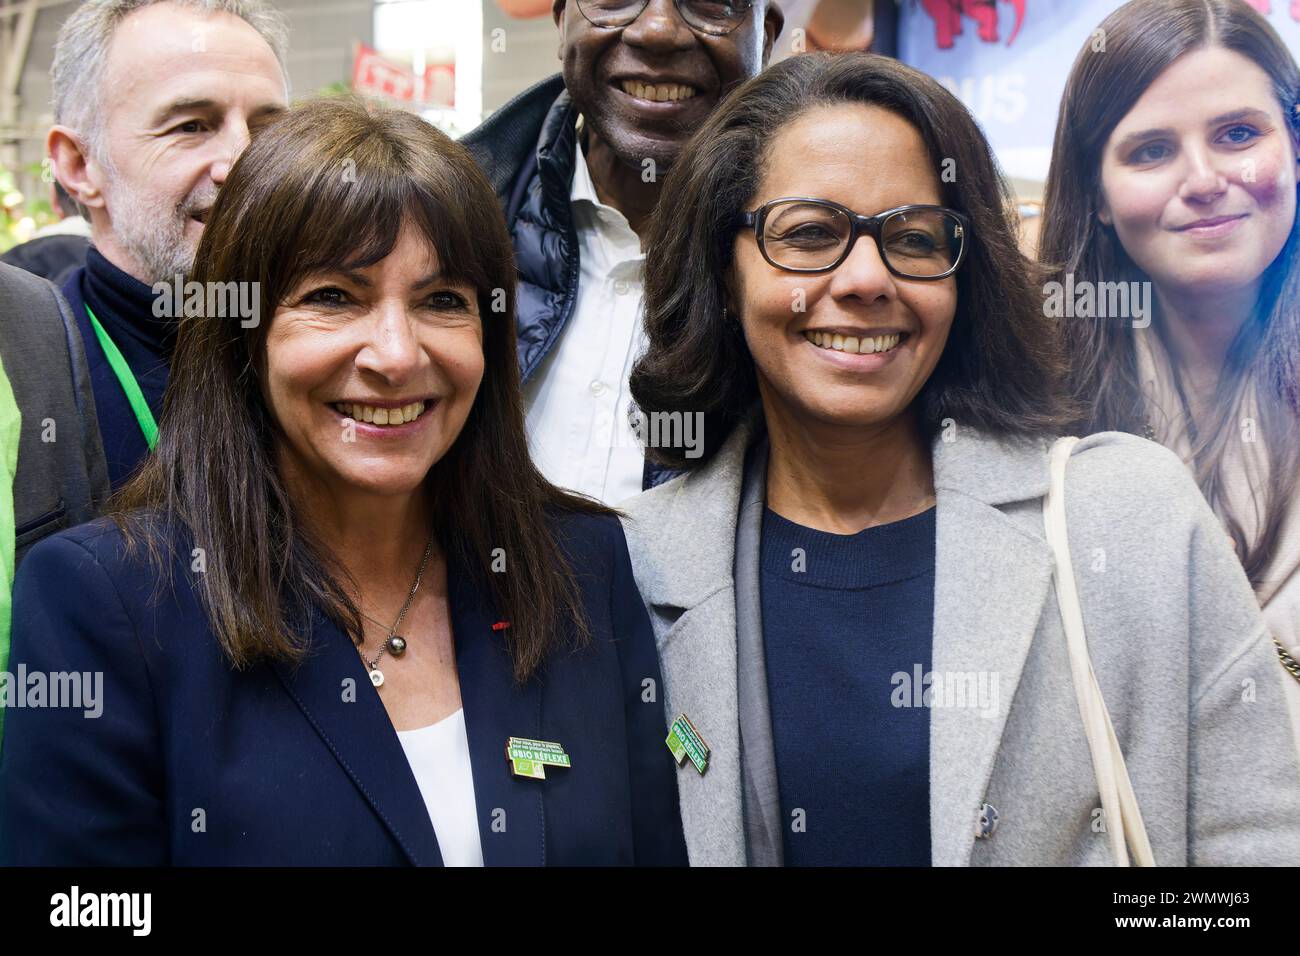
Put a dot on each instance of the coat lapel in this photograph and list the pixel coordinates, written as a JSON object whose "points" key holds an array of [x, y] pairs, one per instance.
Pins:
{"points": [[687, 578], [510, 809], [993, 573], [361, 737]]}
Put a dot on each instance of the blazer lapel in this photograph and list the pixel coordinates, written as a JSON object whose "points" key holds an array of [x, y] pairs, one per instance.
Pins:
{"points": [[992, 578], [361, 737], [692, 552], [510, 809], [762, 795]]}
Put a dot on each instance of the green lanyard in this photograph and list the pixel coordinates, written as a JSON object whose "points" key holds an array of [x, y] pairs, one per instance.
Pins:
{"points": [[143, 414], [10, 433]]}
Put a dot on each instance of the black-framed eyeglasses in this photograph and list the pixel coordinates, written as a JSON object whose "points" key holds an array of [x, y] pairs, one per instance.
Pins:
{"points": [[713, 17], [800, 234]]}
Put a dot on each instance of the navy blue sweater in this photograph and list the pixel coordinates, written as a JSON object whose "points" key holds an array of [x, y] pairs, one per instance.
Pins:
{"points": [[842, 615], [124, 306]]}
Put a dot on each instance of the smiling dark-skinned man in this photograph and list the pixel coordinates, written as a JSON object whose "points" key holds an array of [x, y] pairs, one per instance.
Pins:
{"points": [[578, 161]]}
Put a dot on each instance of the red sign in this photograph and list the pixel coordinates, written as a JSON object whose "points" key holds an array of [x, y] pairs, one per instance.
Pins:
{"points": [[1266, 7], [376, 76], [947, 16]]}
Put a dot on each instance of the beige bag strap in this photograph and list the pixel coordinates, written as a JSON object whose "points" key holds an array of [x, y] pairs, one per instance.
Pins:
{"points": [[1124, 826]]}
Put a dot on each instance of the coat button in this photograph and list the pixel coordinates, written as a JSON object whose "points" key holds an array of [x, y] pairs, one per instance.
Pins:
{"points": [[988, 821]]}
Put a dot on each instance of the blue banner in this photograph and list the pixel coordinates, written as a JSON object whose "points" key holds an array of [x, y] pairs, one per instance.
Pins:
{"points": [[1008, 61]]}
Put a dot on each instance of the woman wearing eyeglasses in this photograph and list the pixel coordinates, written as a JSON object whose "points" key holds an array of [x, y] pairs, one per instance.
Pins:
{"points": [[852, 589]]}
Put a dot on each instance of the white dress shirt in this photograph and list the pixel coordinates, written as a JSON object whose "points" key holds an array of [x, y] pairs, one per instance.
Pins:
{"points": [[577, 402], [439, 758]]}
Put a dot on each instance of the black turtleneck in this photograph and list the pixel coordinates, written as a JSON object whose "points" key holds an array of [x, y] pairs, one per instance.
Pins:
{"points": [[124, 306]]}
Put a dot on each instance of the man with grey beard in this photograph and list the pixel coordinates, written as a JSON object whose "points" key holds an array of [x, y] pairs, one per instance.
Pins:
{"points": [[153, 102]]}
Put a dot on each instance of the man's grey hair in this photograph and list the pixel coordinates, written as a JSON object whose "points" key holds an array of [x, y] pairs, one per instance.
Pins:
{"points": [[81, 55]]}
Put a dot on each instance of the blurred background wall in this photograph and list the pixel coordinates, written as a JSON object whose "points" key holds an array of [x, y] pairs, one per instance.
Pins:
{"points": [[455, 61]]}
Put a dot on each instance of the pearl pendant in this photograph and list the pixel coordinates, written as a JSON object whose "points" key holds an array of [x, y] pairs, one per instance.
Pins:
{"points": [[397, 645], [377, 677]]}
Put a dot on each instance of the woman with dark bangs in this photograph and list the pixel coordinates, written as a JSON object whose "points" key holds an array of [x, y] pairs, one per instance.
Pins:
{"points": [[858, 602], [1175, 168], [340, 617]]}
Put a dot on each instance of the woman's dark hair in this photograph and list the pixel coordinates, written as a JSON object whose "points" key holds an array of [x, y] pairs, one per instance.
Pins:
{"points": [[1132, 47], [329, 186], [1001, 368]]}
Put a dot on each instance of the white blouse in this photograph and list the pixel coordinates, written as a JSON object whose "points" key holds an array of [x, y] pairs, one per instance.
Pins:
{"points": [[439, 758]]}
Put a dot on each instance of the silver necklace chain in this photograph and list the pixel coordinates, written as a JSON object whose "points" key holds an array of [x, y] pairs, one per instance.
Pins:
{"points": [[419, 575]]}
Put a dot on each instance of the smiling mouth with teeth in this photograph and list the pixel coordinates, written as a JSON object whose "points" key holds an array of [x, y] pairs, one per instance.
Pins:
{"points": [[373, 415], [657, 92], [866, 345]]}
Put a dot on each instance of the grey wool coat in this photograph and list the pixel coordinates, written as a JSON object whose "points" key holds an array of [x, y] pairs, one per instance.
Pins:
{"points": [[1177, 642]]}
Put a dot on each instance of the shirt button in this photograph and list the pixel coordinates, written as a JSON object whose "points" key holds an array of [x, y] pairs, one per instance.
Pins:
{"points": [[597, 388]]}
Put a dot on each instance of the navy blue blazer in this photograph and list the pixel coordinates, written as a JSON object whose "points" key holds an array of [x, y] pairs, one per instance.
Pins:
{"points": [[194, 763]]}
